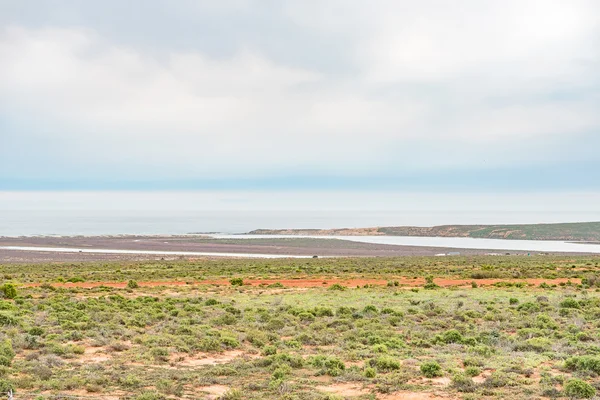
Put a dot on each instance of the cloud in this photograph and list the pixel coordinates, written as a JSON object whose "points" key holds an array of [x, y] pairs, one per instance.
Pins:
{"points": [[412, 88]]}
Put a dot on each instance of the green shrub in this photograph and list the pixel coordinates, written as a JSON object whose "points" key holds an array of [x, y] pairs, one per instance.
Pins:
{"points": [[5, 386], [236, 282], [36, 331], [225, 319], [132, 284], [130, 381], [463, 383], [293, 361], [431, 286], [343, 311], [269, 350], [583, 363], [323, 312], [512, 301], [380, 348], [337, 286], [294, 344], [209, 344], [8, 319], [472, 371], [370, 309], [473, 362], [452, 336], [160, 353], [232, 394], [385, 363], [224, 371], [6, 353], [570, 302], [537, 344], [306, 316], [8, 291], [370, 372], [431, 369], [496, 380], [578, 389], [150, 396], [329, 365], [230, 342], [281, 371], [529, 307]]}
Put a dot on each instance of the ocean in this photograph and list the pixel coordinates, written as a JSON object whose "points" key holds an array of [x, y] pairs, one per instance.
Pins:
{"points": [[155, 222], [180, 212]]}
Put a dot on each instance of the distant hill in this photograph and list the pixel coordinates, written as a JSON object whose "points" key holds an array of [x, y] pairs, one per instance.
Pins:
{"points": [[577, 231]]}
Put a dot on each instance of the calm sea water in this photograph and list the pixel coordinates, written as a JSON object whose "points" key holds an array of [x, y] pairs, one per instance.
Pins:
{"points": [[181, 212], [113, 222]]}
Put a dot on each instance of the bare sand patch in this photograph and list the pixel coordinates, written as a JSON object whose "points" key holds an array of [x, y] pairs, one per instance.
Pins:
{"points": [[82, 394], [202, 359], [93, 355], [412, 396], [482, 377], [441, 381], [214, 391], [344, 389]]}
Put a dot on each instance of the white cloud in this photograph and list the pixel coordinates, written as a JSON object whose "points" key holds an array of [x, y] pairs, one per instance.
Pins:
{"points": [[427, 75]]}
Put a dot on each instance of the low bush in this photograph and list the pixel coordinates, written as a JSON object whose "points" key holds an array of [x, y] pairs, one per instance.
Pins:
{"points": [[463, 383], [6, 353], [570, 302], [578, 389], [370, 372], [431, 369], [328, 365], [8, 291], [132, 284], [583, 363], [385, 363]]}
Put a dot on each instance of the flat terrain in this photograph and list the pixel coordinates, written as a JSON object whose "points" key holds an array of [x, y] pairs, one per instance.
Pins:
{"points": [[579, 231], [419, 328], [290, 246]]}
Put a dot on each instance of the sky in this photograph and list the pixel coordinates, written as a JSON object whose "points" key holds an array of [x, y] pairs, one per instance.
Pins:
{"points": [[300, 95]]}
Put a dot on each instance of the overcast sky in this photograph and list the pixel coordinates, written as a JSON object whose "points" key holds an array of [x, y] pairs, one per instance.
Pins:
{"points": [[463, 95]]}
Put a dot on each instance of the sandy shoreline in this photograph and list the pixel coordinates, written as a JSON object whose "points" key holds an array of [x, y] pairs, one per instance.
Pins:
{"points": [[202, 244]]}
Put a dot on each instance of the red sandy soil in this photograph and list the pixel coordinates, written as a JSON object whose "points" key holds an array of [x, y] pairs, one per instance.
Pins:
{"points": [[316, 282]]}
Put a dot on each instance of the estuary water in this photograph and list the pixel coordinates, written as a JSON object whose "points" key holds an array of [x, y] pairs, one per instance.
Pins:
{"points": [[451, 242]]}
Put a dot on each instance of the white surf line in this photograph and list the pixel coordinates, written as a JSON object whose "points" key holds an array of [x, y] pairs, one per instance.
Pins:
{"points": [[150, 252]]}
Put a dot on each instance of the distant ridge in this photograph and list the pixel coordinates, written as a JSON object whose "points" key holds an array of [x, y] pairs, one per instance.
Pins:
{"points": [[575, 231]]}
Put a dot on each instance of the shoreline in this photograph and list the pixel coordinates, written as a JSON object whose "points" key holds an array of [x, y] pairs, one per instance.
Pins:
{"points": [[137, 247]]}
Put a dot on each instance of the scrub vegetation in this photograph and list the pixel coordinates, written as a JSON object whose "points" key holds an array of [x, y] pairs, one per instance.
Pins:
{"points": [[512, 327]]}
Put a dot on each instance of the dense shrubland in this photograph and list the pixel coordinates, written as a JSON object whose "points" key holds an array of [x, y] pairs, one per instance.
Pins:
{"points": [[514, 341]]}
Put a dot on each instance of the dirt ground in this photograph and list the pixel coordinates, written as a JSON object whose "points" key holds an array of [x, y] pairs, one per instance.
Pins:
{"points": [[315, 282]]}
